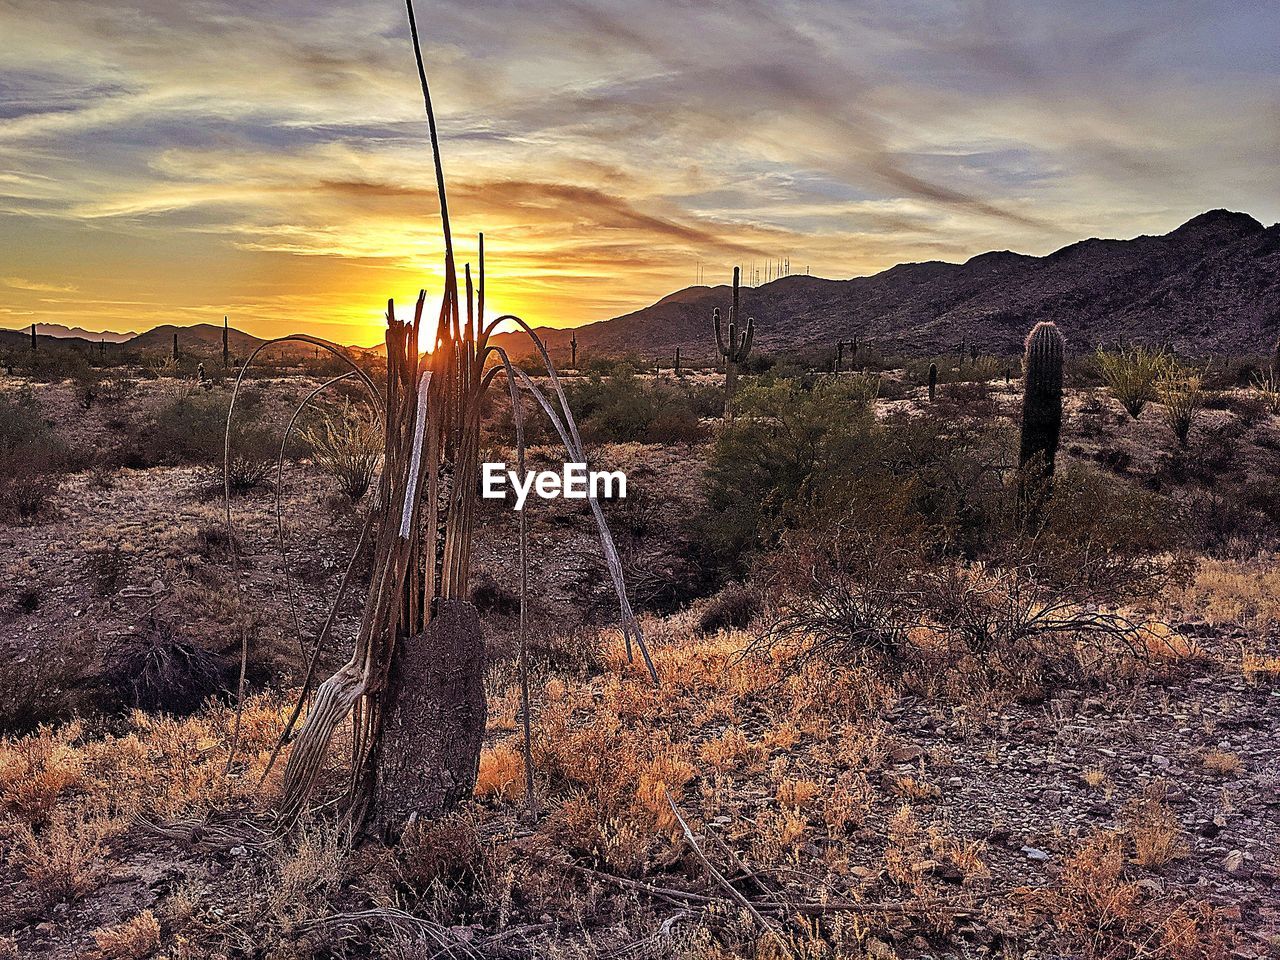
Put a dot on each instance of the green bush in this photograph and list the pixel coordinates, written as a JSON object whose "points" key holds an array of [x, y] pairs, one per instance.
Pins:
{"points": [[790, 456], [622, 407], [189, 430], [1131, 375]]}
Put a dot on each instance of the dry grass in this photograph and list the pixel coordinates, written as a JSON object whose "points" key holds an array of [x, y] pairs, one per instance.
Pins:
{"points": [[1156, 835], [1101, 914], [1234, 592], [1222, 763], [131, 940], [501, 772], [1258, 664]]}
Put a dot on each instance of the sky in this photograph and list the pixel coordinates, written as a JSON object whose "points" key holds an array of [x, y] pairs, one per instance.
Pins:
{"points": [[172, 161]]}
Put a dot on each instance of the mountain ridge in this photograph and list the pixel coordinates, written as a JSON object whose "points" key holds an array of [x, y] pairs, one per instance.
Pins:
{"points": [[1212, 284]]}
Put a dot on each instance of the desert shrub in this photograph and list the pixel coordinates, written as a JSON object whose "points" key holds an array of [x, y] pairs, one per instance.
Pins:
{"points": [[492, 597], [190, 429], [1267, 388], [52, 363], [348, 447], [1222, 523], [1131, 375], [788, 456], [43, 689], [733, 607], [134, 939], [30, 454], [1099, 911], [847, 589], [163, 670], [1031, 612], [1183, 397], [967, 398], [623, 407]]}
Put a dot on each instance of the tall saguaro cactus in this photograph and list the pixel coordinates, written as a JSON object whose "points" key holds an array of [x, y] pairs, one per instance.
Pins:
{"points": [[226, 343], [736, 349], [933, 381], [1041, 408], [34, 346], [573, 350], [679, 373], [175, 344]]}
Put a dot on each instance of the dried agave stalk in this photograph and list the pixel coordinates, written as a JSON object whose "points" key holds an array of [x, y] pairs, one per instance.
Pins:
{"points": [[430, 410]]}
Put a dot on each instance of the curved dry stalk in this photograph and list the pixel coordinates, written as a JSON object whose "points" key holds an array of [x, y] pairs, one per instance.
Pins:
{"points": [[345, 357], [321, 637], [630, 628], [279, 498], [365, 671], [517, 414]]}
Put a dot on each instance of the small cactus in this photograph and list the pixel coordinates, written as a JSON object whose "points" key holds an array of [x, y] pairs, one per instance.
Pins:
{"points": [[1041, 407], [573, 350], [734, 350], [852, 345], [933, 381], [973, 352], [1275, 359]]}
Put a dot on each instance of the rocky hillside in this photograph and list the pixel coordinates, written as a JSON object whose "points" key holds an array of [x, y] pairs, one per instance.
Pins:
{"points": [[1211, 285]]}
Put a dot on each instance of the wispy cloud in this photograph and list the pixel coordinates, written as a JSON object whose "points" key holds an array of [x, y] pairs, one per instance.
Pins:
{"points": [[187, 160], [36, 286]]}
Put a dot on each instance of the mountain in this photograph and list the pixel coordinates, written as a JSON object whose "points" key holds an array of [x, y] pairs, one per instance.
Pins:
{"points": [[61, 332], [1211, 285], [204, 339]]}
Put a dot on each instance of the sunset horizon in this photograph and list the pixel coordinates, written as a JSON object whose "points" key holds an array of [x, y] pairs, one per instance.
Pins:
{"points": [[175, 165]]}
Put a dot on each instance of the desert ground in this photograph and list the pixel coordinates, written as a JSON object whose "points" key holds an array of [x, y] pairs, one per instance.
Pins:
{"points": [[892, 718]]}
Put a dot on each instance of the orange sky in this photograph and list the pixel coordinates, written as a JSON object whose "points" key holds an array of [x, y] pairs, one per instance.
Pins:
{"points": [[171, 162]]}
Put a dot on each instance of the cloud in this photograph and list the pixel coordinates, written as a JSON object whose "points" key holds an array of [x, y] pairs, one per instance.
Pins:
{"points": [[271, 158], [36, 286]]}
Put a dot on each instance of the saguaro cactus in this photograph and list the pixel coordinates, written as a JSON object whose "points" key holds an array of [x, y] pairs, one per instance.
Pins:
{"points": [[735, 350], [1041, 407], [933, 381], [226, 343], [34, 347], [175, 344], [677, 358], [573, 350]]}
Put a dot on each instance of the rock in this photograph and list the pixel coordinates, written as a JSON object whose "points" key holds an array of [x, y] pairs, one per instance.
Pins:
{"points": [[1236, 865], [1034, 853], [1052, 799], [905, 753]]}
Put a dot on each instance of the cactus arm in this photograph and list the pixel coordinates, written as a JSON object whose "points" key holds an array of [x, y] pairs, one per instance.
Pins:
{"points": [[746, 339], [715, 319]]}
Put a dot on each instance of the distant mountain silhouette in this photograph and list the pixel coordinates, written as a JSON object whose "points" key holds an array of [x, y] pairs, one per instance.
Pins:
{"points": [[203, 339], [79, 333], [1211, 285]]}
